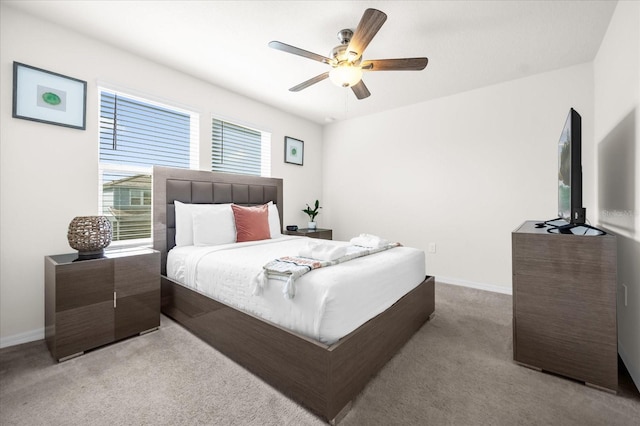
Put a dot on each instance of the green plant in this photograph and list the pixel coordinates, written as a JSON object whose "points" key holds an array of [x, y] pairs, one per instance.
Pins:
{"points": [[312, 212]]}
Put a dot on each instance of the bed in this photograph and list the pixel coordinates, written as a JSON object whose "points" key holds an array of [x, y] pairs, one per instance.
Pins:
{"points": [[323, 377]]}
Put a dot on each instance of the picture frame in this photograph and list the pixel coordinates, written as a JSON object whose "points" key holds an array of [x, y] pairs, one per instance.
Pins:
{"points": [[48, 97], [293, 151]]}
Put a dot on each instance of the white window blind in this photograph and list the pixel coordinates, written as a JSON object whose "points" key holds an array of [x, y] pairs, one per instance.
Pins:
{"points": [[239, 149], [136, 134]]}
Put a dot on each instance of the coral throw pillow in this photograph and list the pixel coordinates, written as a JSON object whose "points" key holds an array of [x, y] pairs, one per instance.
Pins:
{"points": [[252, 223]]}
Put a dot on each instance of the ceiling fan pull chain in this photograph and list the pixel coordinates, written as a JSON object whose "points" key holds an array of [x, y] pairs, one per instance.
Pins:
{"points": [[346, 104]]}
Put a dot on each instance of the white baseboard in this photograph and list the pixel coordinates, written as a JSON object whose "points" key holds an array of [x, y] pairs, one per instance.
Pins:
{"points": [[472, 284], [634, 370], [18, 339]]}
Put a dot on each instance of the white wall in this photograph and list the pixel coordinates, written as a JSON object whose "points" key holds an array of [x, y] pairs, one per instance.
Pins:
{"points": [[49, 174], [617, 136], [462, 171]]}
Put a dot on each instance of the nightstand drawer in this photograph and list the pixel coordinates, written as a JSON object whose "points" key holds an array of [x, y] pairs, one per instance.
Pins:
{"points": [[325, 234]]}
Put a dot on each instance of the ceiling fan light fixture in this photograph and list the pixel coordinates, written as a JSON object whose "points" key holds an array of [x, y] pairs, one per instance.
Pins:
{"points": [[345, 75]]}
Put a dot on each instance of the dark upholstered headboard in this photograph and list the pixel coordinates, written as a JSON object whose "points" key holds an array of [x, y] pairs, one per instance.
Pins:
{"points": [[201, 187]]}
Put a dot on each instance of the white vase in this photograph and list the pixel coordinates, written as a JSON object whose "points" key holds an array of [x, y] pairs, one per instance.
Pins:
{"points": [[311, 225]]}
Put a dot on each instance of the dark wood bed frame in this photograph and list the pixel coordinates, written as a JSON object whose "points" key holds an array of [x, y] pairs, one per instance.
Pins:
{"points": [[323, 378]]}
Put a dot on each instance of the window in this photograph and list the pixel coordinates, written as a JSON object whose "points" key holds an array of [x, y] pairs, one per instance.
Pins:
{"points": [[239, 149], [140, 197], [136, 134]]}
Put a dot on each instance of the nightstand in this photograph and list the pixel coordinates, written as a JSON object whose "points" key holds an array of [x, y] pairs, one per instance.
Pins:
{"points": [[325, 234], [89, 303]]}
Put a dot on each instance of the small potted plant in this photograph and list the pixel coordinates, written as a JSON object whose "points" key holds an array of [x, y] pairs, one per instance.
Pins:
{"points": [[312, 214]]}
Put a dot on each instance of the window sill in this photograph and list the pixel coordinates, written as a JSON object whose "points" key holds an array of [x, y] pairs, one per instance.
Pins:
{"points": [[137, 243]]}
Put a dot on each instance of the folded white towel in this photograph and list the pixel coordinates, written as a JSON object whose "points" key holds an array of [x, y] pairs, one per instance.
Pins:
{"points": [[322, 251], [370, 241]]}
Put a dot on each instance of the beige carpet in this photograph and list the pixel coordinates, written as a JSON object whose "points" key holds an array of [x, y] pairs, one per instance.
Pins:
{"points": [[457, 370]]}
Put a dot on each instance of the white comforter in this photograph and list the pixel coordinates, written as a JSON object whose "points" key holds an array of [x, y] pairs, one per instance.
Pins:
{"points": [[329, 302]]}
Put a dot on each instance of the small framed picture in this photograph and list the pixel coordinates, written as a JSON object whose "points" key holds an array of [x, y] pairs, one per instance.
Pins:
{"points": [[293, 151], [48, 97]]}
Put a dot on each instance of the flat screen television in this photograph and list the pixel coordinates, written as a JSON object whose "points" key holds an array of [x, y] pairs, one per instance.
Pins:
{"points": [[570, 171]]}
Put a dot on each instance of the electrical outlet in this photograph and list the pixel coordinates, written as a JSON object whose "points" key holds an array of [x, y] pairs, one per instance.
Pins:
{"points": [[625, 294], [432, 248]]}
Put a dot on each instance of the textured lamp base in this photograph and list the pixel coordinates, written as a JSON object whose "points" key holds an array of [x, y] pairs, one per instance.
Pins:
{"points": [[89, 235]]}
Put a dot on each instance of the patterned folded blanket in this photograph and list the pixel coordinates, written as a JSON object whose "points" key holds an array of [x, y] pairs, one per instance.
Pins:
{"points": [[290, 268]]}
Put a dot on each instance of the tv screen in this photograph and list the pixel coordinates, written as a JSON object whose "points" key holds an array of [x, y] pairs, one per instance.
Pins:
{"points": [[570, 170]]}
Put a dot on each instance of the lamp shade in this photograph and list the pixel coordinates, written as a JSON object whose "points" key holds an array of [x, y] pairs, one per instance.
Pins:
{"points": [[345, 75]]}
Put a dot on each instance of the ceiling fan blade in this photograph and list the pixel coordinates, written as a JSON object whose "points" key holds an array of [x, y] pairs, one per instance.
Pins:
{"points": [[309, 82], [369, 25], [404, 64], [300, 52], [360, 90]]}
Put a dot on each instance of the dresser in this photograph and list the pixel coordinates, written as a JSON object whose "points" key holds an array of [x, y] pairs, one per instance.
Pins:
{"points": [[564, 304], [89, 303]]}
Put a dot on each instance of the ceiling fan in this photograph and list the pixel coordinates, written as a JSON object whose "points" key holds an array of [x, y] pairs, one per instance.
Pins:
{"points": [[346, 59]]}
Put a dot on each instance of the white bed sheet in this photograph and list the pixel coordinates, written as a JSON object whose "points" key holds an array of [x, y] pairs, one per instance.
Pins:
{"points": [[329, 302]]}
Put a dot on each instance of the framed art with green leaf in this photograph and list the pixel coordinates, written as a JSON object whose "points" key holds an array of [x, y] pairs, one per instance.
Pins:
{"points": [[48, 97], [293, 151]]}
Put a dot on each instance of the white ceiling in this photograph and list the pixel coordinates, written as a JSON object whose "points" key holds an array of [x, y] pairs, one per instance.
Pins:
{"points": [[470, 44]]}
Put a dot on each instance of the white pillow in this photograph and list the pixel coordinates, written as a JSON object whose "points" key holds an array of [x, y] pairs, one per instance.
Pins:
{"points": [[184, 224], [184, 220], [214, 225], [274, 221]]}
